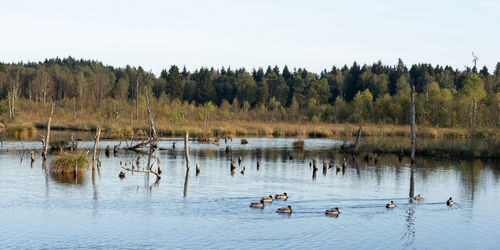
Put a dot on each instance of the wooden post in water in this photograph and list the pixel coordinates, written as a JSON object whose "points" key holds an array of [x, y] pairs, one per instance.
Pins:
{"points": [[47, 138], [96, 142], [186, 146], [355, 151]]}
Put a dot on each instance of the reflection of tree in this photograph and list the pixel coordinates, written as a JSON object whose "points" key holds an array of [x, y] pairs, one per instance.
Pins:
{"points": [[471, 176], [409, 235], [412, 181]]}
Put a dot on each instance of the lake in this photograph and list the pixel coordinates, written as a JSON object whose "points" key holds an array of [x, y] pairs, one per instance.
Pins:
{"points": [[212, 210]]}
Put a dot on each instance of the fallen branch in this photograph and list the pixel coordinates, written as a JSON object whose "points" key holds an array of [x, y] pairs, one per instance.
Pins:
{"points": [[158, 175], [139, 145]]}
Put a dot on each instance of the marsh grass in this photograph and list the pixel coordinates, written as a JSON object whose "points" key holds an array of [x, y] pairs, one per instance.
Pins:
{"points": [[298, 144], [64, 163], [24, 130]]}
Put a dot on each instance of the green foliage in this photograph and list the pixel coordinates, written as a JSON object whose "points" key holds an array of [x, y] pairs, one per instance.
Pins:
{"points": [[360, 93]]}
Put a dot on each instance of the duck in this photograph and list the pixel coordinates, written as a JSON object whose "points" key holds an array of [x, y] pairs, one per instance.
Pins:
{"points": [[259, 204], [267, 199], [390, 205], [282, 196], [418, 197], [333, 211], [284, 210], [449, 202], [121, 175]]}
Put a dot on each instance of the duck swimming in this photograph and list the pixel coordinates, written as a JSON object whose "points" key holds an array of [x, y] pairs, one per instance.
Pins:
{"points": [[257, 204], [268, 199], [390, 205], [333, 211], [449, 202], [284, 210], [282, 196], [418, 197]]}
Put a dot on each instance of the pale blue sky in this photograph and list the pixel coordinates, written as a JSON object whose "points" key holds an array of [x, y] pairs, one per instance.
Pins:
{"points": [[310, 34]]}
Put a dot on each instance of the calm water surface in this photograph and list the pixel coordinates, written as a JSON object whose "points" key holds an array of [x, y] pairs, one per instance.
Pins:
{"points": [[212, 210]]}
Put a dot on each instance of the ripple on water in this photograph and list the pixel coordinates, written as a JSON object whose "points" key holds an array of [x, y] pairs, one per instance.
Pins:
{"points": [[132, 213]]}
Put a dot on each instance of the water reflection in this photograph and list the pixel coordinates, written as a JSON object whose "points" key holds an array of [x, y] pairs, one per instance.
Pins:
{"points": [[409, 230], [186, 182], [218, 200]]}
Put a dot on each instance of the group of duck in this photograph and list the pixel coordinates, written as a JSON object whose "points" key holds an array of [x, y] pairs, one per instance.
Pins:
{"points": [[333, 211]]}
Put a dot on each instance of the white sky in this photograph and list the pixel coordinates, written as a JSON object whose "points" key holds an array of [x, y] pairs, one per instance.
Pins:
{"points": [[251, 34]]}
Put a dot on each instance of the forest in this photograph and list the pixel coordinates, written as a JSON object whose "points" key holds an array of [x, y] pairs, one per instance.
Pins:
{"points": [[356, 94]]}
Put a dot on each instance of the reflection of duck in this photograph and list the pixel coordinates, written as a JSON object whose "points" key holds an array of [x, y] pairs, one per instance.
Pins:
{"points": [[243, 171], [418, 197], [333, 211], [285, 210], [239, 160], [259, 204], [282, 196], [390, 205], [449, 202], [268, 199]]}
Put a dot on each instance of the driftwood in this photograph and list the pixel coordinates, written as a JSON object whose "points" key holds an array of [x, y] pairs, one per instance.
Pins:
{"points": [[96, 142], [139, 145], [158, 175], [46, 140]]}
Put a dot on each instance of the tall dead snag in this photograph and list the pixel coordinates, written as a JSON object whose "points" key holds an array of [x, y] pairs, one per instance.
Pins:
{"points": [[412, 132], [356, 145], [96, 142], [152, 130], [412, 123], [46, 141], [186, 140]]}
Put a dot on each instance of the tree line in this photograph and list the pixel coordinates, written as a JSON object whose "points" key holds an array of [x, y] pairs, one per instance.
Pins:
{"points": [[375, 93]]}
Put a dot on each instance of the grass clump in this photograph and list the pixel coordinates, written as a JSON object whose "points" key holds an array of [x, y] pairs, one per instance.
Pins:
{"points": [[298, 144], [58, 145], [64, 163], [25, 130]]}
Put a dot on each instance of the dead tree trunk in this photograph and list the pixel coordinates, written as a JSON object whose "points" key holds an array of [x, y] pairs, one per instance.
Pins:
{"points": [[47, 138], [96, 142], [186, 140], [356, 145], [412, 132], [152, 130], [136, 98], [412, 123]]}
